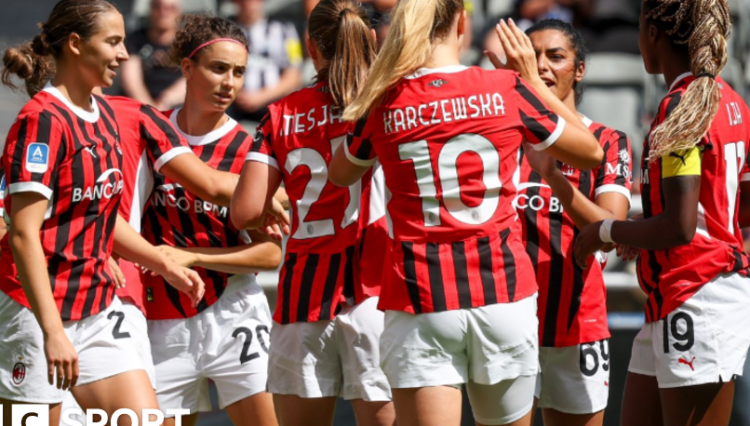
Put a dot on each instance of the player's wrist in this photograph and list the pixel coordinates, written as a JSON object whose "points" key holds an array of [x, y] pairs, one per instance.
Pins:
{"points": [[605, 231]]}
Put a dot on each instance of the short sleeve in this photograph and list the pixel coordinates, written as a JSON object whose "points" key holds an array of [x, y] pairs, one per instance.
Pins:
{"points": [[615, 174], [542, 127], [682, 163], [34, 148], [163, 142], [262, 149], [358, 146]]}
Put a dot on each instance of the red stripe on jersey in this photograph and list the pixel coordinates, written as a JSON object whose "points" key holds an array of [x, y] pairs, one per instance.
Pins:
{"points": [[299, 136], [147, 139], [572, 301], [447, 141], [670, 277], [178, 218], [76, 163]]}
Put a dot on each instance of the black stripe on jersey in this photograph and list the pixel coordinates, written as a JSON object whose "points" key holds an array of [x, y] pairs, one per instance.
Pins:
{"points": [[584, 185], [110, 122], [362, 242], [485, 270], [622, 145], [332, 278], [739, 261], [458, 249], [437, 288], [19, 150], [258, 142], [509, 264], [646, 188], [531, 98], [674, 102], [172, 293], [348, 274], [410, 276], [363, 152], [602, 172], [653, 263], [289, 264], [539, 131], [65, 221], [555, 284], [305, 288], [230, 154], [160, 122], [532, 228]]}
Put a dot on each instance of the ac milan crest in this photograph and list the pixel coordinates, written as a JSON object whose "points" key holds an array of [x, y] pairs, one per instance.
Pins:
{"points": [[19, 373]]}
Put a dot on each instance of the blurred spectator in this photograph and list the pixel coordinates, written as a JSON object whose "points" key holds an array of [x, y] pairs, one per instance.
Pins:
{"points": [[575, 12], [273, 68], [148, 76], [614, 25]]}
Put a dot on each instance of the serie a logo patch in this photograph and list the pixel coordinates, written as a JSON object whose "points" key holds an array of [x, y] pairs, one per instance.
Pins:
{"points": [[37, 157]]}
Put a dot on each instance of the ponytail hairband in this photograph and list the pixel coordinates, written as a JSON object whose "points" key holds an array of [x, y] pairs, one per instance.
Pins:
{"points": [[705, 74], [210, 42]]}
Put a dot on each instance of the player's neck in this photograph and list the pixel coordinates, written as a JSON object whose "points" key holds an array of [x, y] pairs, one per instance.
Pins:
{"points": [[570, 101], [673, 65], [73, 88], [444, 55], [197, 122]]}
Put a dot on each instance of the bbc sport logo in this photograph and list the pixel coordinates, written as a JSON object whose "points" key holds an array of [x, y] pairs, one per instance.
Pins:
{"points": [[38, 415]]}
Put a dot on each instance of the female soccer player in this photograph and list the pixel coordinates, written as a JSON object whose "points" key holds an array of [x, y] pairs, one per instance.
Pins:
{"points": [[224, 338], [697, 329], [62, 161], [324, 342], [554, 199], [447, 137]]}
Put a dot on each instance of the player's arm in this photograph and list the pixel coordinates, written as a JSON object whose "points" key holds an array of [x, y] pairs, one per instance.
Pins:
{"points": [[674, 226], [254, 195], [354, 157], [130, 245], [25, 242], [262, 254], [201, 179]]}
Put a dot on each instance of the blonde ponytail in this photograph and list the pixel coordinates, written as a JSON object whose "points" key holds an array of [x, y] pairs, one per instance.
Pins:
{"points": [[415, 24], [704, 26]]}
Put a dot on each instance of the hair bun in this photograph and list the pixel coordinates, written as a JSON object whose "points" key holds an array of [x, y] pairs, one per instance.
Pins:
{"points": [[40, 46]]}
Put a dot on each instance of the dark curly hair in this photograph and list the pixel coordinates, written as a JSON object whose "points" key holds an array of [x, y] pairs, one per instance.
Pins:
{"points": [[32, 61], [199, 28], [574, 38]]}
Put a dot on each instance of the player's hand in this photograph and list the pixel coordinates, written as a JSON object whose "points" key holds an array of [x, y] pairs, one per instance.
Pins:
{"points": [[587, 243], [627, 253], [179, 256], [518, 49], [62, 359], [117, 274], [185, 280], [539, 161], [276, 221]]}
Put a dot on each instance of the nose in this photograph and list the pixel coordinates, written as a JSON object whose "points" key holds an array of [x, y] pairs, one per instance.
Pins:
{"points": [[541, 63], [122, 54]]}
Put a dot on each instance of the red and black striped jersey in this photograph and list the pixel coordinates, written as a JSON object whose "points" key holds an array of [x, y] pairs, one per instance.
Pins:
{"points": [[298, 136], [670, 277], [148, 142], [374, 242], [572, 301], [178, 218], [73, 158], [448, 140]]}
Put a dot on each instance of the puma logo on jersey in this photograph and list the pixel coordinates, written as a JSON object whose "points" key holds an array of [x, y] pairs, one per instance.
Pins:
{"points": [[681, 157], [437, 83], [686, 362]]}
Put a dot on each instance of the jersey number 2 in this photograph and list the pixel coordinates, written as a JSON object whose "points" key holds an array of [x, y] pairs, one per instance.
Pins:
{"points": [[318, 179]]}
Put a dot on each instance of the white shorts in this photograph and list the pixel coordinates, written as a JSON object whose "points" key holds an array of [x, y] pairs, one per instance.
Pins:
{"points": [[705, 340], [574, 379], [330, 358], [135, 324], [226, 343], [103, 342], [484, 345]]}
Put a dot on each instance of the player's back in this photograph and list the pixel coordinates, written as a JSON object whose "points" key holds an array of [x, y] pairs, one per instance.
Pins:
{"points": [[672, 276], [300, 134]]}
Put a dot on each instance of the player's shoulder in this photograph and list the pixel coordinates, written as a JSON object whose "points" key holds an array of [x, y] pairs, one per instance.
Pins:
{"points": [[317, 94], [605, 134], [42, 107]]}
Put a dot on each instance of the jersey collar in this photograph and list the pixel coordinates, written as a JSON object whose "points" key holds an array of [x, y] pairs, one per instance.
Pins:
{"points": [[444, 70], [88, 116], [679, 79], [209, 137], [586, 121]]}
